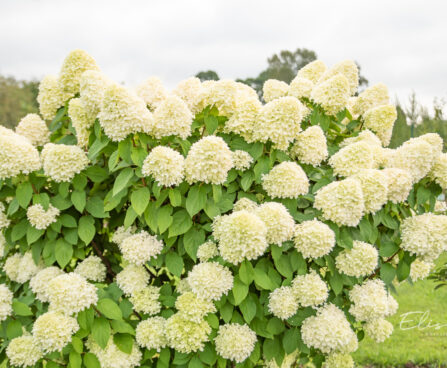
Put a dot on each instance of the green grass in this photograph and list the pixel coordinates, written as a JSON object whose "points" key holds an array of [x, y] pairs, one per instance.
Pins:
{"points": [[417, 346]]}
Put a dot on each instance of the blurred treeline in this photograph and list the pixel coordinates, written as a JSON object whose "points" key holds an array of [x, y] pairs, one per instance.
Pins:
{"points": [[18, 97]]}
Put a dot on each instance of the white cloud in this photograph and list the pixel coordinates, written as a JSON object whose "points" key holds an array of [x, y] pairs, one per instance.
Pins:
{"points": [[400, 43]]}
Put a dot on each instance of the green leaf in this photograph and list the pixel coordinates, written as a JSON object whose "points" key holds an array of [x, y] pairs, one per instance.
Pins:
{"points": [[24, 193], [217, 193], [21, 309], [101, 331], [86, 229], [96, 174], [181, 223], [63, 252], [32, 234], [122, 327], [290, 340], [248, 308], [109, 309], [131, 215], [79, 200], [246, 272], [387, 273], [140, 199], [19, 230], [122, 180], [77, 344], [240, 291], [208, 355], [14, 329], [124, 342], [91, 361], [196, 200], [423, 195], [68, 221], [247, 180], [174, 262], [275, 326], [262, 280], [95, 206], [164, 218], [75, 359], [282, 264], [191, 241], [226, 312], [175, 197], [211, 123], [271, 348], [336, 282]]}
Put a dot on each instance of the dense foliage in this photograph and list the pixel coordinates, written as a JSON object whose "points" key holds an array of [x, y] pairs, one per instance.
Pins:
{"points": [[199, 227]]}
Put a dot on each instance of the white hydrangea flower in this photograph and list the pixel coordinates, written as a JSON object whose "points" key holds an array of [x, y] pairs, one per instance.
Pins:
{"points": [[339, 361], [223, 94], [123, 113], [193, 308], [313, 71], [371, 301], [400, 183], [273, 89], [301, 87], [341, 202], [329, 331], [4, 221], [279, 222], [34, 128], [62, 162], [310, 146], [52, 331], [235, 342], [288, 362], [286, 180], [433, 139], [71, 293], [146, 300], [349, 69], [439, 170], [374, 185], [150, 333], [207, 251], [172, 117], [186, 336], [245, 204], [23, 351], [81, 121], [152, 92], [40, 282], [425, 235], [140, 248], [209, 161], [416, 157], [376, 95], [5, 302], [309, 290], [352, 158], [183, 286], [241, 235], [165, 165], [50, 97], [241, 160], [244, 119], [2, 237], [378, 329], [440, 206], [20, 268], [361, 260], [283, 302], [279, 121], [92, 268], [381, 120], [332, 94], [375, 144], [114, 357], [93, 85], [189, 90], [122, 233], [74, 65], [39, 218], [420, 269], [17, 154], [132, 278], [210, 280], [314, 239]]}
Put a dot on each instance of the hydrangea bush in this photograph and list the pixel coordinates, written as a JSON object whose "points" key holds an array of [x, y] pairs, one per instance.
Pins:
{"points": [[202, 227]]}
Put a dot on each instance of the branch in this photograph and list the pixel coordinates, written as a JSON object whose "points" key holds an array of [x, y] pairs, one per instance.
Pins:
{"points": [[386, 261]]}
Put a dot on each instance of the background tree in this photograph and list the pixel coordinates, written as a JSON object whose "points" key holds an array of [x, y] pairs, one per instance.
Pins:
{"points": [[17, 98], [207, 75]]}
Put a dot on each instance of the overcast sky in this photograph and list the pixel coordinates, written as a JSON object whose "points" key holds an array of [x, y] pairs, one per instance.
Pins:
{"points": [[398, 42]]}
